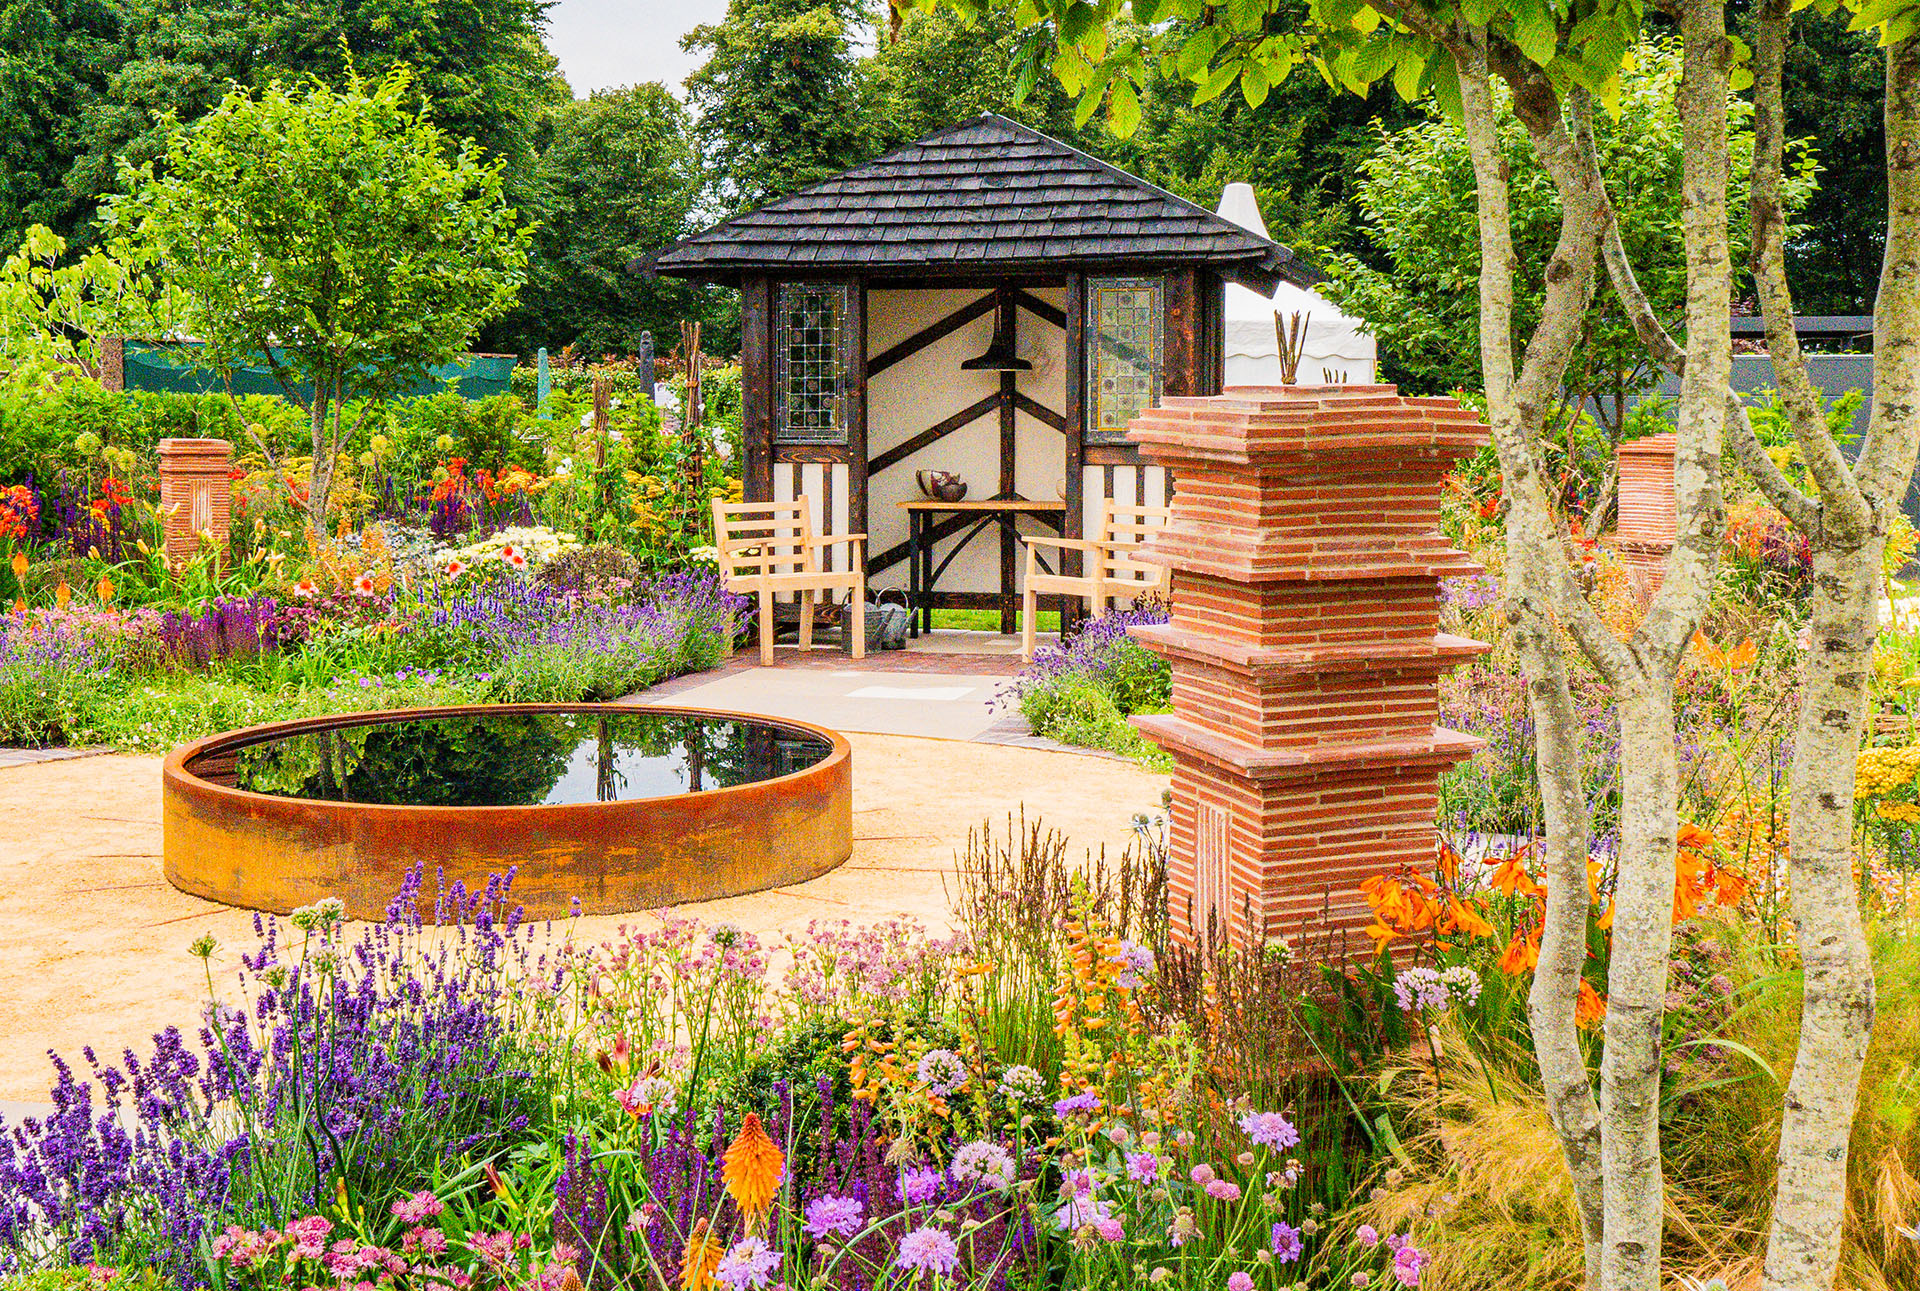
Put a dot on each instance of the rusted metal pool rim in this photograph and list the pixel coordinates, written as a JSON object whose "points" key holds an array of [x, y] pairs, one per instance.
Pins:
{"points": [[265, 852]]}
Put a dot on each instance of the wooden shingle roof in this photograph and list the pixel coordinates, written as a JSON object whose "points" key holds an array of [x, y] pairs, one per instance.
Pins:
{"points": [[986, 196]]}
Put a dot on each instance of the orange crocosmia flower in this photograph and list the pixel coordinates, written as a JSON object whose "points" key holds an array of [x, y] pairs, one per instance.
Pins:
{"points": [[1521, 955], [700, 1259], [1593, 880], [1467, 919], [1448, 863], [1591, 1007], [753, 1166], [1729, 886], [1709, 653], [1381, 934], [1742, 655], [1512, 878]]}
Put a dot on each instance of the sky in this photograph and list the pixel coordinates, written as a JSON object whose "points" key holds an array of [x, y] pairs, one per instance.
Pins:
{"points": [[605, 43]]}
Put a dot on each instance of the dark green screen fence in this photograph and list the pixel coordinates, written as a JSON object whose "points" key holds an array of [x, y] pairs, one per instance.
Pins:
{"points": [[169, 367]]}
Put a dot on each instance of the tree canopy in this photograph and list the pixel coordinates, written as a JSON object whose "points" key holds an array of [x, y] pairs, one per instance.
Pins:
{"points": [[332, 233]]}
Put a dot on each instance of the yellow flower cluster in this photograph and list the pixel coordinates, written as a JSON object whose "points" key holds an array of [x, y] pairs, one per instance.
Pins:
{"points": [[1877, 772], [1905, 813]]}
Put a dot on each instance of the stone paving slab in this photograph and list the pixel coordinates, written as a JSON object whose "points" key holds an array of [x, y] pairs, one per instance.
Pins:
{"points": [[11, 757]]}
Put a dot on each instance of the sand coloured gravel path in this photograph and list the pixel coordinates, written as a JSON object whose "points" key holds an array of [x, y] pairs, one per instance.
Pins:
{"points": [[93, 939]]}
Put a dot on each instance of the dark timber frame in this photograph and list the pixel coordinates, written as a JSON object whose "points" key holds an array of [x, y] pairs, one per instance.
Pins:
{"points": [[992, 207]]}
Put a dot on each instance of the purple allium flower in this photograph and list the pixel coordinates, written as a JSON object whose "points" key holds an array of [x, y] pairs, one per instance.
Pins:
{"points": [[1143, 1167], [1421, 988], [983, 1162], [920, 1185], [928, 1250], [751, 1263], [1286, 1242], [1270, 1130], [943, 1071], [1022, 1084]]}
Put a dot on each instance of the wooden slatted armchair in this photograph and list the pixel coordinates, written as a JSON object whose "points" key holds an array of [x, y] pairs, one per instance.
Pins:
{"points": [[767, 549], [1110, 564]]}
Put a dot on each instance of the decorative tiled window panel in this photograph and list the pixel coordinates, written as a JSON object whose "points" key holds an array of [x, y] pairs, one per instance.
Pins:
{"points": [[1126, 323], [809, 363]]}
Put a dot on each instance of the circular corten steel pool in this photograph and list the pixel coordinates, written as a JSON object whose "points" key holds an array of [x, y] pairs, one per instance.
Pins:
{"points": [[622, 808]]}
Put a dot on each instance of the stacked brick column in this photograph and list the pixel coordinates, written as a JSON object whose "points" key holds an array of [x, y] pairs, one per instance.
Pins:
{"points": [[1305, 646], [196, 496], [1647, 525]]}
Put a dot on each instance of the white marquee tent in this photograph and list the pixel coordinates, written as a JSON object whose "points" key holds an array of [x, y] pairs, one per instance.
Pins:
{"points": [[1336, 350]]}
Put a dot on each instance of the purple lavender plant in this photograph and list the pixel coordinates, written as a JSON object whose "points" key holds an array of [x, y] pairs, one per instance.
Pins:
{"points": [[358, 1064], [228, 627]]}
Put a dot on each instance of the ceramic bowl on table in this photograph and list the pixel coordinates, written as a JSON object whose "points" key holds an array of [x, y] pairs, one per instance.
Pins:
{"points": [[941, 486]]}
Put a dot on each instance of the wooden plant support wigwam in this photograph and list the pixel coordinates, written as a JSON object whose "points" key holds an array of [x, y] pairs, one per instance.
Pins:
{"points": [[1647, 524], [1306, 554], [196, 497]]}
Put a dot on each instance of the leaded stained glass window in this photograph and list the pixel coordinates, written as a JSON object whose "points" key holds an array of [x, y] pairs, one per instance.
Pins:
{"points": [[809, 368], [1126, 322]]}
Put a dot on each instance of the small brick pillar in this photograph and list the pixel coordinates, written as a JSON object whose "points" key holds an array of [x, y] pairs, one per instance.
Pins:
{"points": [[1647, 524], [196, 495], [1306, 653]]}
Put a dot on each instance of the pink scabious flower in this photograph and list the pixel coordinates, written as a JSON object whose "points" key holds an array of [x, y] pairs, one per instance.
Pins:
{"points": [[1407, 1263], [928, 1250], [1202, 1174], [751, 1263], [421, 1206], [1223, 1190], [1182, 1229], [1367, 1235], [920, 1185], [1143, 1167], [834, 1215], [1110, 1229], [1239, 1282], [1270, 1130], [1286, 1243]]}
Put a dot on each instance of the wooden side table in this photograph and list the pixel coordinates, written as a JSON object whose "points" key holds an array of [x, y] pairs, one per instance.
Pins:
{"points": [[975, 518]]}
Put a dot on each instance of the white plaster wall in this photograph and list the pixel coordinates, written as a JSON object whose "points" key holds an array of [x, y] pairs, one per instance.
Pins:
{"points": [[930, 386], [808, 480]]}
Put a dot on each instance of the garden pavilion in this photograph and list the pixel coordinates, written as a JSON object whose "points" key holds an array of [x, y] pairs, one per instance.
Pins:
{"points": [[986, 301]]}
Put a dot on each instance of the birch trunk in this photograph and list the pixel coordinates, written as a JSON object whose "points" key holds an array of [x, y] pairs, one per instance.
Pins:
{"points": [[1563, 941], [1837, 1007]]}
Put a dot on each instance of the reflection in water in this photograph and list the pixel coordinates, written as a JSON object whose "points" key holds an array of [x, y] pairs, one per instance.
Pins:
{"points": [[516, 759]]}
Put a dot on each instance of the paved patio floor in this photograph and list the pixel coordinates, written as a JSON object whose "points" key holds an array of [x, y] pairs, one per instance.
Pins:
{"points": [[96, 938]]}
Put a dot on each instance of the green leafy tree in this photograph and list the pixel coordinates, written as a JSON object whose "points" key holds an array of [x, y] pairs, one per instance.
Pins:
{"points": [[616, 178], [779, 98], [1417, 199], [333, 234], [53, 315]]}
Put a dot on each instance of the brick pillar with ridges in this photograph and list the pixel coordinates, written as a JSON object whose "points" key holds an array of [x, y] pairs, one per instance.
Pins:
{"points": [[1306, 553], [1647, 525], [196, 496]]}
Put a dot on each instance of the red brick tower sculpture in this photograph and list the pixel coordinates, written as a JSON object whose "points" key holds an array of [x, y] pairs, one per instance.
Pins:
{"points": [[1647, 525], [196, 495], [1305, 646]]}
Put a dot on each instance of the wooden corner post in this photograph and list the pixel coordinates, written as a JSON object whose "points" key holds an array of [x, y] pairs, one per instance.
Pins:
{"points": [[1306, 554]]}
